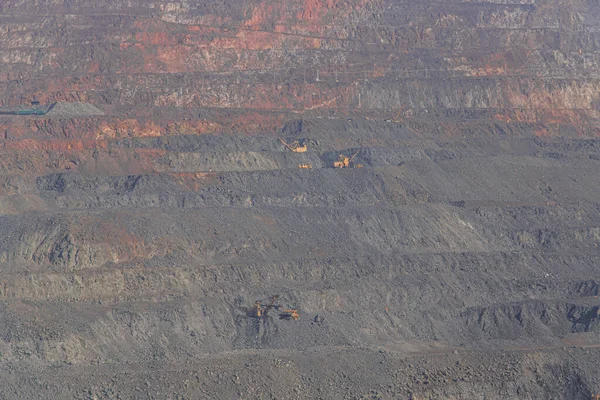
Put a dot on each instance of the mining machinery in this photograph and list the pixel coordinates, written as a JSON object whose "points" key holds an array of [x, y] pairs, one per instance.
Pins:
{"points": [[288, 314], [261, 311], [347, 162], [298, 146]]}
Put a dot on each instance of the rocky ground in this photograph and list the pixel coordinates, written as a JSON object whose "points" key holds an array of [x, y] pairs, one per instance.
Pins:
{"points": [[139, 225]]}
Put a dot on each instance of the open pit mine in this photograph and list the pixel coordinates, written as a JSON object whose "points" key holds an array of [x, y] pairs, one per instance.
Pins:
{"points": [[300, 199]]}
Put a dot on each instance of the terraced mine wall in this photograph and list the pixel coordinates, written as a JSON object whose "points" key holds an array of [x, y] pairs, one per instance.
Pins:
{"points": [[136, 234]]}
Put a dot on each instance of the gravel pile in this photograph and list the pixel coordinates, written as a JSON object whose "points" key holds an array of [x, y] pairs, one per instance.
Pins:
{"points": [[73, 109]]}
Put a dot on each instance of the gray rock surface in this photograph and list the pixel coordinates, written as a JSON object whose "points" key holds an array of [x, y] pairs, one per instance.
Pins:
{"points": [[147, 212]]}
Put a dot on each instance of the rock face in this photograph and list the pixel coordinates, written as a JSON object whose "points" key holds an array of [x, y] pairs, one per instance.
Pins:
{"points": [[142, 218]]}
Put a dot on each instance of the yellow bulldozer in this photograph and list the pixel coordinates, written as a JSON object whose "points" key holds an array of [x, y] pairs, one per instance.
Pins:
{"points": [[347, 162], [288, 314], [296, 146]]}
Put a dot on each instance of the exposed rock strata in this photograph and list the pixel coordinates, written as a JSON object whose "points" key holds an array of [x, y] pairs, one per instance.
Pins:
{"points": [[460, 262]]}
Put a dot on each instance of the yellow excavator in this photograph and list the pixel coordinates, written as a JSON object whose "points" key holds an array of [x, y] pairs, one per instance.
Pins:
{"points": [[347, 162], [296, 146], [288, 314], [261, 311]]}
